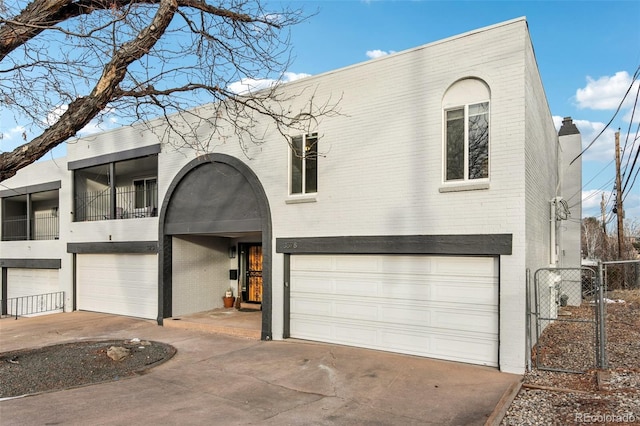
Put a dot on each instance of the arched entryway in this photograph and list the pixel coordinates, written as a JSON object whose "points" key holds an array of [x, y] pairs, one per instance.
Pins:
{"points": [[214, 201]]}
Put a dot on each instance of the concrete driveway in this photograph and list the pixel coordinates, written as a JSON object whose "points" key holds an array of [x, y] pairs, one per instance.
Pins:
{"points": [[225, 380]]}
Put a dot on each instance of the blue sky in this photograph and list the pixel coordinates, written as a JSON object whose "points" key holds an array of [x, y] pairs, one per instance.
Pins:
{"points": [[587, 53]]}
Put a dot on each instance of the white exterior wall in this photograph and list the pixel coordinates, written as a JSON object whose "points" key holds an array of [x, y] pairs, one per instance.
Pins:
{"points": [[541, 177], [35, 174], [382, 168], [200, 273], [570, 249], [381, 172]]}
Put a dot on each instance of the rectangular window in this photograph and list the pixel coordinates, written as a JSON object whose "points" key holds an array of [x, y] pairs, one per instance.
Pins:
{"points": [[117, 190], [467, 142], [304, 164], [31, 215], [146, 192]]}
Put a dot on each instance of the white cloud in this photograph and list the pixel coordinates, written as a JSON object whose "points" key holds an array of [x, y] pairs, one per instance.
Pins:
{"points": [[12, 133], [591, 200], [55, 115], [606, 92], [16, 136], [603, 149], [292, 76], [12, 138], [636, 115], [252, 85], [377, 53]]}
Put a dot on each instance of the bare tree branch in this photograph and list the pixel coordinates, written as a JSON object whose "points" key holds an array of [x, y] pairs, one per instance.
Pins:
{"points": [[134, 60], [82, 110]]}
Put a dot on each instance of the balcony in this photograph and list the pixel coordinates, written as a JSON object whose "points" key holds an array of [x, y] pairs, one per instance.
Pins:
{"points": [[130, 203], [126, 189], [31, 216], [43, 227]]}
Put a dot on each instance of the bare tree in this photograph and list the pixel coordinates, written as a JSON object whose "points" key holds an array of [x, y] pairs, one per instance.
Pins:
{"points": [[592, 237], [64, 63], [597, 245]]}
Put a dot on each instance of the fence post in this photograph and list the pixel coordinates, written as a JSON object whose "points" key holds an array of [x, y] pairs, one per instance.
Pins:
{"points": [[601, 320], [528, 315]]}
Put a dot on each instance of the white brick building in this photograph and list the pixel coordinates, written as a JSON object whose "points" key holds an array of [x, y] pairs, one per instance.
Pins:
{"points": [[411, 231]]}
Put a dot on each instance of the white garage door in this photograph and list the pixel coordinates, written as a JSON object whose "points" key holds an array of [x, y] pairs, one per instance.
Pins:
{"points": [[30, 282], [123, 284], [433, 306]]}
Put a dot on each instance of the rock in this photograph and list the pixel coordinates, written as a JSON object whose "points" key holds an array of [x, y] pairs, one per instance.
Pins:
{"points": [[118, 353]]}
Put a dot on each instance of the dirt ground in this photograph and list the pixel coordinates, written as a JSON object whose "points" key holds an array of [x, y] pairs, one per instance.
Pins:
{"points": [[585, 395], [76, 364]]}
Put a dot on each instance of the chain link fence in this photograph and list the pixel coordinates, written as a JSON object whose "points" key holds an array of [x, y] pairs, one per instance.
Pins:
{"points": [[568, 308], [621, 275]]}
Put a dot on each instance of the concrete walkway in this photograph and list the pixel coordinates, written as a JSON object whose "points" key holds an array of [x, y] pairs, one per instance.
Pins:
{"points": [[216, 379]]}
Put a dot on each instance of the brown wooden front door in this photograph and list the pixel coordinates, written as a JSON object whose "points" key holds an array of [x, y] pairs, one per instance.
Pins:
{"points": [[254, 273]]}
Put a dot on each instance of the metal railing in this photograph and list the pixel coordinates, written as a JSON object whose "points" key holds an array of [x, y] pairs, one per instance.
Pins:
{"points": [[97, 205], [44, 227], [32, 305]]}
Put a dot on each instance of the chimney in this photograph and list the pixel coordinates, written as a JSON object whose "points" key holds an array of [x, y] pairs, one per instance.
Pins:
{"points": [[568, 128]]}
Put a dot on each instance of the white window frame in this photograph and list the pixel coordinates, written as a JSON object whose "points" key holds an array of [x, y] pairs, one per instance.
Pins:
{"points": [[464, 93], [299, 197], [465, 165], [146, 191]]}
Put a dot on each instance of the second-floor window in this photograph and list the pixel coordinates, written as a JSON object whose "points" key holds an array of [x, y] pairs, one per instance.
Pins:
{"points": [[467, 142], [304, 164], [125, 189], [30, 215]]}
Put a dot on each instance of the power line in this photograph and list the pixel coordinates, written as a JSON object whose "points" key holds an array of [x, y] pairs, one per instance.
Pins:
{"points": [[635, 77], [634, 162]]}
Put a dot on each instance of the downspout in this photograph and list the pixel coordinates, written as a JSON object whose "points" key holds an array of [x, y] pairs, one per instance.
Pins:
{"points": [[553, 208], [552, 225]]}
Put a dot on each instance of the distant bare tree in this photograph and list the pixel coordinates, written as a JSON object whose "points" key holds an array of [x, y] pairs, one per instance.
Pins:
{"points": [[592, 238], [65, 62]]}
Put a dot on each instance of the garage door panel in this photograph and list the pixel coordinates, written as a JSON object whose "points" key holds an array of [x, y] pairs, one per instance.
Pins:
{"points": [[311, 306], [364, 311], [476, 292], [311, 263], [475, 351], [406, 289], [369, 285], [344, 286], [309, 284], [312, 329], [406, 341], [444, 307], [30, 282], [405, 315], [473, 266], [465, 320], [459, 346], [355, 264], [122, 284], [360, 334], [405, 265]]}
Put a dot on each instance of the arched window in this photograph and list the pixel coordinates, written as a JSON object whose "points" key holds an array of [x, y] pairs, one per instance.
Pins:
{"points": [[466, 131]]}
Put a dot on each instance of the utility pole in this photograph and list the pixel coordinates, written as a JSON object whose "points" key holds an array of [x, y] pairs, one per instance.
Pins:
{"points": [[619, 210], [603, 212]]}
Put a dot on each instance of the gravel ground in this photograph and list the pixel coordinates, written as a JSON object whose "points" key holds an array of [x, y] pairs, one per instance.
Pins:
{"points": [[76, 364], [610, 397]]}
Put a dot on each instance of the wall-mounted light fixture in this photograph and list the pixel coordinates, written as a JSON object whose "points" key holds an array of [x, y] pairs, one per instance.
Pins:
{"points": [[232, 252]]}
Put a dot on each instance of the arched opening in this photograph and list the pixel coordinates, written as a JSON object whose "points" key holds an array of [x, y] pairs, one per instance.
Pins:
{"points": [[214, 206]]}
